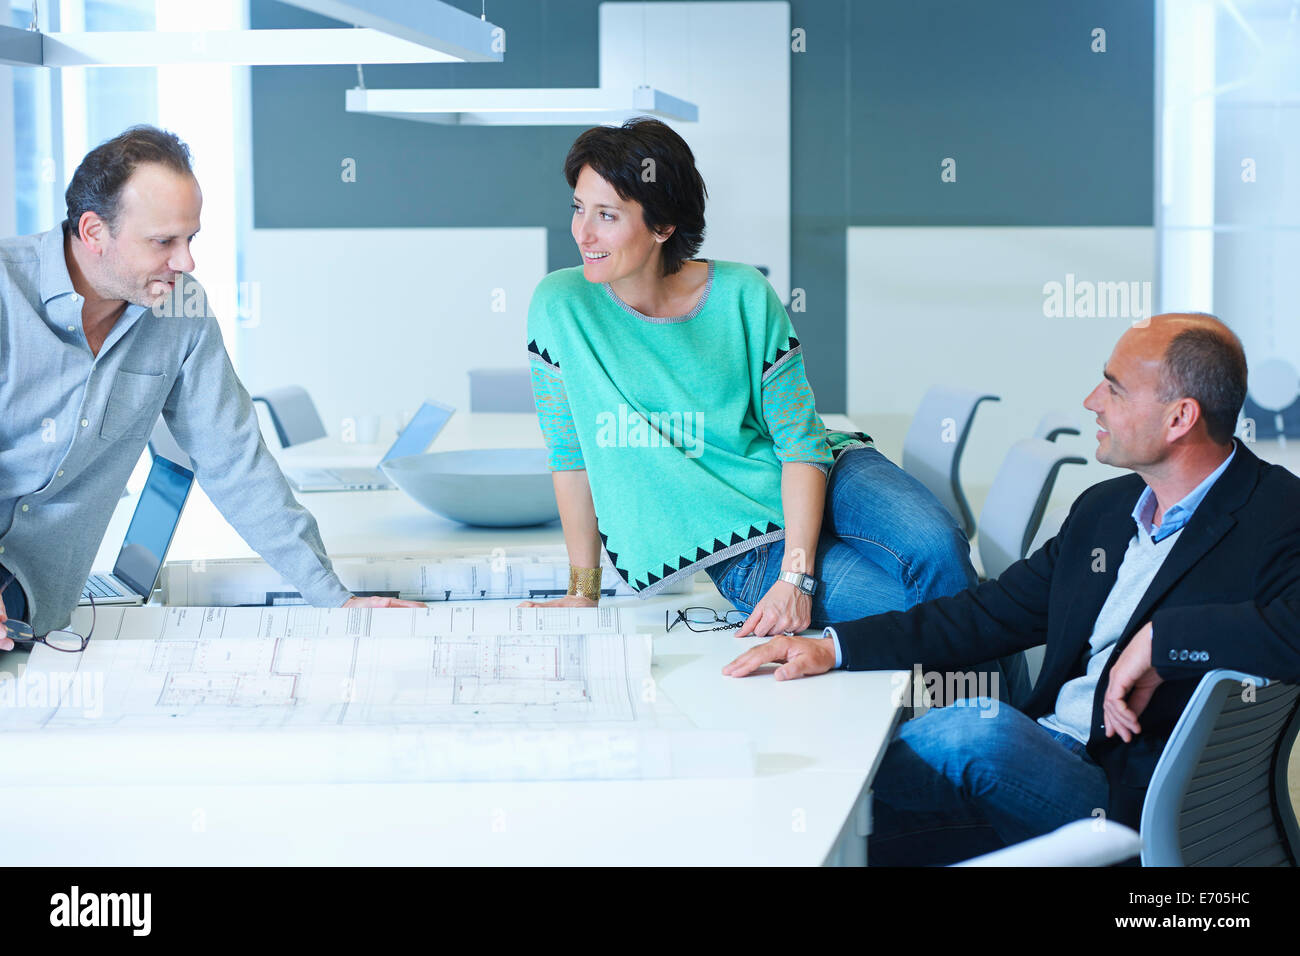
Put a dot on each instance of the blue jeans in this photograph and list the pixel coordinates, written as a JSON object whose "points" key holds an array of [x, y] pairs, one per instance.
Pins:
{"points": [[973, 778], [886, 544]]}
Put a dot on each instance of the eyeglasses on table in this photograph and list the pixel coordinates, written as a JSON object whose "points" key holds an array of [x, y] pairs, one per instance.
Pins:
{"points": [[703, 619], [69, 642]]}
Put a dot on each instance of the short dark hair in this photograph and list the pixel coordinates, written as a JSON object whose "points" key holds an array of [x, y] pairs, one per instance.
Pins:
{"points": [[673, 193], [97, 184], [1209, 365]]}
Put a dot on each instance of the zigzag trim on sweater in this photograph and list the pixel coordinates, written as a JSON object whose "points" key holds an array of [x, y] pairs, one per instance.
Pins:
{"points": [[541, 355], [792, 348], [689, 564]]}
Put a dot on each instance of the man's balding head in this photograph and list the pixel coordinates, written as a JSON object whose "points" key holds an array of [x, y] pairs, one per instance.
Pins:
{"points": [[1203, 360], [1175, 379]]}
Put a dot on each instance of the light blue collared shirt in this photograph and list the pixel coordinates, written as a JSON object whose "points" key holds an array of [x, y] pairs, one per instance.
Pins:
{"points": [[1179, 513], [1175, 517], [73, 425]]}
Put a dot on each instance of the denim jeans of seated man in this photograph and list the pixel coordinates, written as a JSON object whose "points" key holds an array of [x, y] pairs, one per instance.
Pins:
{"points": [[886, 544], [975, 777]]}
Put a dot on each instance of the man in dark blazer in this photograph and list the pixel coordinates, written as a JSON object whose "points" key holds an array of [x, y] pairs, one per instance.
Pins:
{"points": [[1188, 565]]}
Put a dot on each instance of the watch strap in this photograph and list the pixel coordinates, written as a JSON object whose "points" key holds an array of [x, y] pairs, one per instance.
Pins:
{"points": [[804, 582]]}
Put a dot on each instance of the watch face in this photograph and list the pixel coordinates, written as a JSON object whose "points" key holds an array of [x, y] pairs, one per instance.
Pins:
{"points": [[804, 582]]}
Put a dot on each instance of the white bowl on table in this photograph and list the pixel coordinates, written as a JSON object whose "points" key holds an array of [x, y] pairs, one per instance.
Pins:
{"points": [[491, 487]]}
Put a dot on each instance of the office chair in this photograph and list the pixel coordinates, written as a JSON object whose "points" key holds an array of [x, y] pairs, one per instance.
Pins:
{"points": [[1218, 796], [1017, 501], [934, 442], [500, 390], [1056, 423], [293, 414]]}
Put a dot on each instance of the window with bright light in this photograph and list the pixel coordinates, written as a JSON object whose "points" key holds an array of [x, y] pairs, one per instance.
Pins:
{"points": [[36, 181], [61, 114], [1228, 218]]}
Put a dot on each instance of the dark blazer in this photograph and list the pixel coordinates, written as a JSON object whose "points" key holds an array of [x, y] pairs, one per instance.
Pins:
{"points": [[1227, 595]]}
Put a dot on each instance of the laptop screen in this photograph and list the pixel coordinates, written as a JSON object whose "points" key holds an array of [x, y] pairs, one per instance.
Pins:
{"points": [[422, 430], [152, 526]]}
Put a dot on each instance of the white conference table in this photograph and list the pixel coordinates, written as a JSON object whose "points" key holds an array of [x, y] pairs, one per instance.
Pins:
{"points": [[816, 745], [361, 522]]}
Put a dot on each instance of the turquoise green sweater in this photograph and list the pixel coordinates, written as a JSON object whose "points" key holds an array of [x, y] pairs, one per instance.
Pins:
{"points": [[681, 423]]}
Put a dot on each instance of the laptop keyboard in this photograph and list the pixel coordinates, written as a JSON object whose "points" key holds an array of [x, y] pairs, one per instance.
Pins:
{"points": [[100, 587]]}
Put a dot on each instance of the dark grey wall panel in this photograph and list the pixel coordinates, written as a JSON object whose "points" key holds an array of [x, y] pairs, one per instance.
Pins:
{"points": [[1044, 132], [819, 171], [417, 174]]}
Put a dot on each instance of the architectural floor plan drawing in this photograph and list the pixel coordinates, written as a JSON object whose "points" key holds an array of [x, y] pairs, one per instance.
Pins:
{"points": [[537, 572], [293, 694], [522, 680], [195, 623]]}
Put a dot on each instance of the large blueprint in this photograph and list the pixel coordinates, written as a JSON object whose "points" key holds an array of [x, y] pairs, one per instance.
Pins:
{"points": [[451, 692], [538, 573]]}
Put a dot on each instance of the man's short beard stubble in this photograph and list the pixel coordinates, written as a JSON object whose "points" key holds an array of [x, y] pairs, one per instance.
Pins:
{"points": [[113, 286]]}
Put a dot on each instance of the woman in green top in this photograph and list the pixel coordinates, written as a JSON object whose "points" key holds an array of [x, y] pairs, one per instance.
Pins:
{"points": [[681, 428]]}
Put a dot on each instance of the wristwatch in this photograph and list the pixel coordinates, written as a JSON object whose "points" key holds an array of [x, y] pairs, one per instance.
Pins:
{"points": [[804, 582]]}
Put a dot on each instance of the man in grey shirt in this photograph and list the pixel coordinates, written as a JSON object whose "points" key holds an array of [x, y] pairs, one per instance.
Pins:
{"points": [[101, 329]]}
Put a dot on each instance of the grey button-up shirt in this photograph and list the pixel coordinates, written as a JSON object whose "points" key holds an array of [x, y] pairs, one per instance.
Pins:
{"points": [[73, 425]]}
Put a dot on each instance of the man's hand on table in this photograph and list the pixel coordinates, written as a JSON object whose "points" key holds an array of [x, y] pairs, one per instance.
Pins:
{"points": [[798, 657], [381, 602]]}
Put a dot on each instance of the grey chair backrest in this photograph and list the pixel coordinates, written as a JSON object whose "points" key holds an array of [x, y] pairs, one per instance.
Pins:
{"points": [[934, 442], [293, 414], [1218, 796], [163, 442], [500, 390], [1017, 501], [1055, 423]]}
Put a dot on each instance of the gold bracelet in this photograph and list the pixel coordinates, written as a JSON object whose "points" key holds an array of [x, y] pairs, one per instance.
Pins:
{"points": [[584, 582]]}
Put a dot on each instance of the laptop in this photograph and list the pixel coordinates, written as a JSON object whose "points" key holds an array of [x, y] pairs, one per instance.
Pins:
{"points": [[418, 435], [147, 538]]}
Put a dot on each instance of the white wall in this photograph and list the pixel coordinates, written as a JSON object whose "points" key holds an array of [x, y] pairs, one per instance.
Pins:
{"points": [[965, 306], [374, 321], [733, 61]]}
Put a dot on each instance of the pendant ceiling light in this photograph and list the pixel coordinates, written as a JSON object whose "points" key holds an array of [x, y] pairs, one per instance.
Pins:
{"points": [[521, 107], [530, 106], [387, 31]]}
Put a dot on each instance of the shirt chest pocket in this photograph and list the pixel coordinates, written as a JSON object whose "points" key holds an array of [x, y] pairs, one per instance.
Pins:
{"points": [[132, 405]]}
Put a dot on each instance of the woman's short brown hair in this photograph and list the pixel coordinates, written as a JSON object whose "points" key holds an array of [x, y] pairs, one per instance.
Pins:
{"points": [[647, 161]]}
